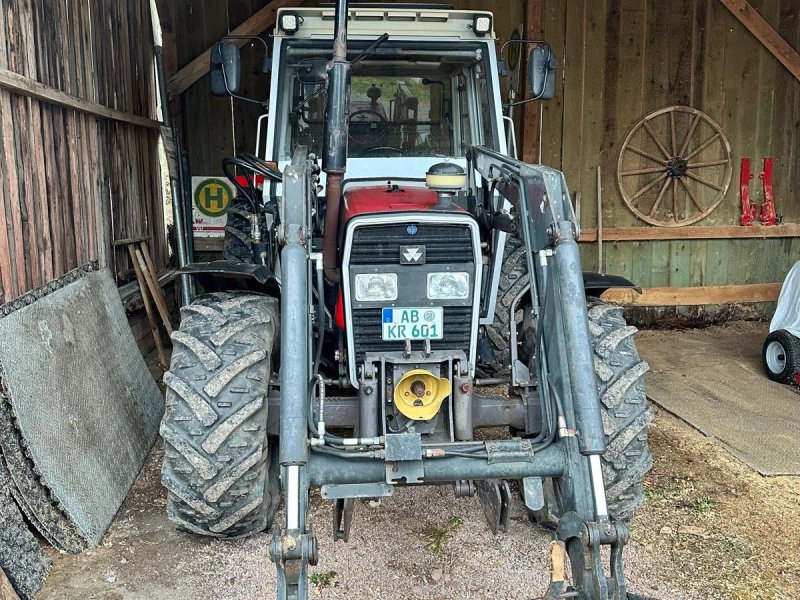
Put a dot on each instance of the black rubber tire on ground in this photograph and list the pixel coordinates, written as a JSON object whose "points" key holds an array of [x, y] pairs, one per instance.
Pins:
{"points": [[513, 282], [626, 416], [781, 356], [237, 231], [217, 465]]}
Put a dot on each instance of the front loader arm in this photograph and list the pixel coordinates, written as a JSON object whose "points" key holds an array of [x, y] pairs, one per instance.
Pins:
{"points": [[546, 224]]}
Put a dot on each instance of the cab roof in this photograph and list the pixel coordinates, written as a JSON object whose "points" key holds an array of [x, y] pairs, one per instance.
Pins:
{"points": [[430, 21]]}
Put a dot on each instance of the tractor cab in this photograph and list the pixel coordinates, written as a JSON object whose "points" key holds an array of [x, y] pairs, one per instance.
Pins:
{"points": [[428, 91]]}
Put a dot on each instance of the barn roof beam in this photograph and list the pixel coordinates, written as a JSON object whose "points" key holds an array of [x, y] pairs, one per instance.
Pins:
{"points": [[259, 22], [764, 33]]}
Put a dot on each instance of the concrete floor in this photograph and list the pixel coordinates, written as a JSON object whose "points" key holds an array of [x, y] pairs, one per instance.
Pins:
{"points": [[390, 553]]}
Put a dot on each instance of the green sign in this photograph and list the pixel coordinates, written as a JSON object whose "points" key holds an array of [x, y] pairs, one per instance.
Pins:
{"points": [[212, 197]]}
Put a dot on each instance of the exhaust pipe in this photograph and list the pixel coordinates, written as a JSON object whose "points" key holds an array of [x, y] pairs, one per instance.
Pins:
{"points": [[334, 149]]}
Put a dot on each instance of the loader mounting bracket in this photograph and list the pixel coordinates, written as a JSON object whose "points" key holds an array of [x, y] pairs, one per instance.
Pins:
{"points": [[583, 541]]}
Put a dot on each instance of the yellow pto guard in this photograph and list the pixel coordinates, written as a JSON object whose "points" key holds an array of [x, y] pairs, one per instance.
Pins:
{"points": [[419, 394]]}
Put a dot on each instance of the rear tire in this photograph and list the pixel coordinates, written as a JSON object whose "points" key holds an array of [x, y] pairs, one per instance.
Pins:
{"points": [[625, 412], [781, 356], [217, 465]]}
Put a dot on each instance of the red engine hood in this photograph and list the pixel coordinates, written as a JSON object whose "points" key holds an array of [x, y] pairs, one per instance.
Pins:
{"points": [[377, 200]]}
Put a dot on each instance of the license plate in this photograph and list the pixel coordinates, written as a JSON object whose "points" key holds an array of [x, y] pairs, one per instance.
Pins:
{"points": [[413, 323]]}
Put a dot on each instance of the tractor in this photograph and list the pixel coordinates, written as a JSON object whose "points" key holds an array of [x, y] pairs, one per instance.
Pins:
{"points": [[388, 264]]}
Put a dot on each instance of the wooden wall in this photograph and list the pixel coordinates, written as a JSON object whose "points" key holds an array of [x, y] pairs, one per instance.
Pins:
{"points": [[622, 59], [214, 127], [73, 182]]}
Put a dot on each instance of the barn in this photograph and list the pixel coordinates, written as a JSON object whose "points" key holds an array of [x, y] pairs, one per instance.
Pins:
{"points": [[165, 325]]}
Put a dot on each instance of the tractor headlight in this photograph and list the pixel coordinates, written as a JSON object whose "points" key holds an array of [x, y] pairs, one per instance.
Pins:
{"points": [[371, 287], [448, 286]]}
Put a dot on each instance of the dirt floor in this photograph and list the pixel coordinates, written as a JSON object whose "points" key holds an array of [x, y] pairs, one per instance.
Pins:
{"points": [[711, 528]]}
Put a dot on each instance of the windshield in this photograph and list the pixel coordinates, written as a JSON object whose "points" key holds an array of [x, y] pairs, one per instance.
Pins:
{"points": [[404, 101]]}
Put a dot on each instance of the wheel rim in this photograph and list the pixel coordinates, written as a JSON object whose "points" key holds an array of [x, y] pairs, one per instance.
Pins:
{"points": [[674, 167], [775, 357]]}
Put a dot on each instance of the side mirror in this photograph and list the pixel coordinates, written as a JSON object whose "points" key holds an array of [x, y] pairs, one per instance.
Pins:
{"points": [[312, 71], [542, 68], [226, 69]]}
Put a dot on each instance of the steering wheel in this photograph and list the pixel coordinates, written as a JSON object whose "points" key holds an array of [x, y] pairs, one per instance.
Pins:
{"points": [[395, 149], [373, 130]]}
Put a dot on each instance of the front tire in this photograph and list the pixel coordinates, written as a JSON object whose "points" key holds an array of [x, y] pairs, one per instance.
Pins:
{"points": [[217, 465], [625, 412], [781, 356]]}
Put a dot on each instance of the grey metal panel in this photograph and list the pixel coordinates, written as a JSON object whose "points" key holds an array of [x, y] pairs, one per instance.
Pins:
{"points": [[83, 398]]}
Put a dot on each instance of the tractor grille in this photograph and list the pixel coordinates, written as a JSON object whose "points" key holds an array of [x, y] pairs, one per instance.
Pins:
{"points": [[367, 323], [380, 245]]}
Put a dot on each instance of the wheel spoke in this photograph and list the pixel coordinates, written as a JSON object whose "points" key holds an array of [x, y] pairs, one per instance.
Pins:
{"points": [[704, 145], [692, 127], [675, 200], [648, 186], [642, 171], [704, 181], [691, 196], [657, 203], [673, 137], [655, 139], [641, 152], [710, 163]]}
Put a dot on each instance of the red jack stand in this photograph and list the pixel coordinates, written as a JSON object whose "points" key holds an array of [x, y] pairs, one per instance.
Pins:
{"points": [[749, 211], [768, 216]]}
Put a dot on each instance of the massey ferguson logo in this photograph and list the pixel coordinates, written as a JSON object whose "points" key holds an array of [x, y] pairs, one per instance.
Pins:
{"points": [[412, 255]]}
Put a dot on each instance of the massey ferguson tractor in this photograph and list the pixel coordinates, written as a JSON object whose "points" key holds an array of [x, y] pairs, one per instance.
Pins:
{"points": [[386, 260]]}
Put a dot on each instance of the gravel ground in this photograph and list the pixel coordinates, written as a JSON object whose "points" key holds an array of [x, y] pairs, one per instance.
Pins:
{"points": [[711, 528], [420, 543]]}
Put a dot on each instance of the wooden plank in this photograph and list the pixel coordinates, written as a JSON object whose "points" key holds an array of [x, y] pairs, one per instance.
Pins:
{"points": [[255, 25], [764, 33], [695, 296], [151, 278], [691, 233], [143, 285], [19, 84], [530, 120]]}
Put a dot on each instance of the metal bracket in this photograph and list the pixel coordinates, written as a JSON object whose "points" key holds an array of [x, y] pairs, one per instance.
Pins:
{"points": [[342, 519], [495, 496], [292, 552], [333, 491], [506, 451], [533, 493], [591, 536], [403, 455]]}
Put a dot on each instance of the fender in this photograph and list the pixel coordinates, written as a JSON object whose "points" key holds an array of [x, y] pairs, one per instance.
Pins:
{"points": [[597, 283], [250, 275]]}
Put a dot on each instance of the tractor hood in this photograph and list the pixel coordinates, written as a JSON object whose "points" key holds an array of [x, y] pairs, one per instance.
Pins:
{"points": [[389, 198]]}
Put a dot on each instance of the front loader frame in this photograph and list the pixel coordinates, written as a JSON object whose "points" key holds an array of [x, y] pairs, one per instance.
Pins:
{"points": [[568, 449]]}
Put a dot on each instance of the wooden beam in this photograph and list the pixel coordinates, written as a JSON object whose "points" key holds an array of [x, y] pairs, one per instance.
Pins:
{"points": [[254, 25], [530, 116], [764, 33], [640, 234], [19, 84], [695, 296]]}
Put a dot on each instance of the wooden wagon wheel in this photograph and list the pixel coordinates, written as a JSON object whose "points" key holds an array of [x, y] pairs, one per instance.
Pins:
{"points": [[674, 167]]}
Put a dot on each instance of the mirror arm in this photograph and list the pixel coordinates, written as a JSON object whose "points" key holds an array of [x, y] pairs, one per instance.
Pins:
{"points": [[517, 41], [262, 103]]}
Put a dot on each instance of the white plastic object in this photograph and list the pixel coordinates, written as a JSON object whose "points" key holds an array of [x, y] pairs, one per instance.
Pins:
{"points": [[787, 314]]}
